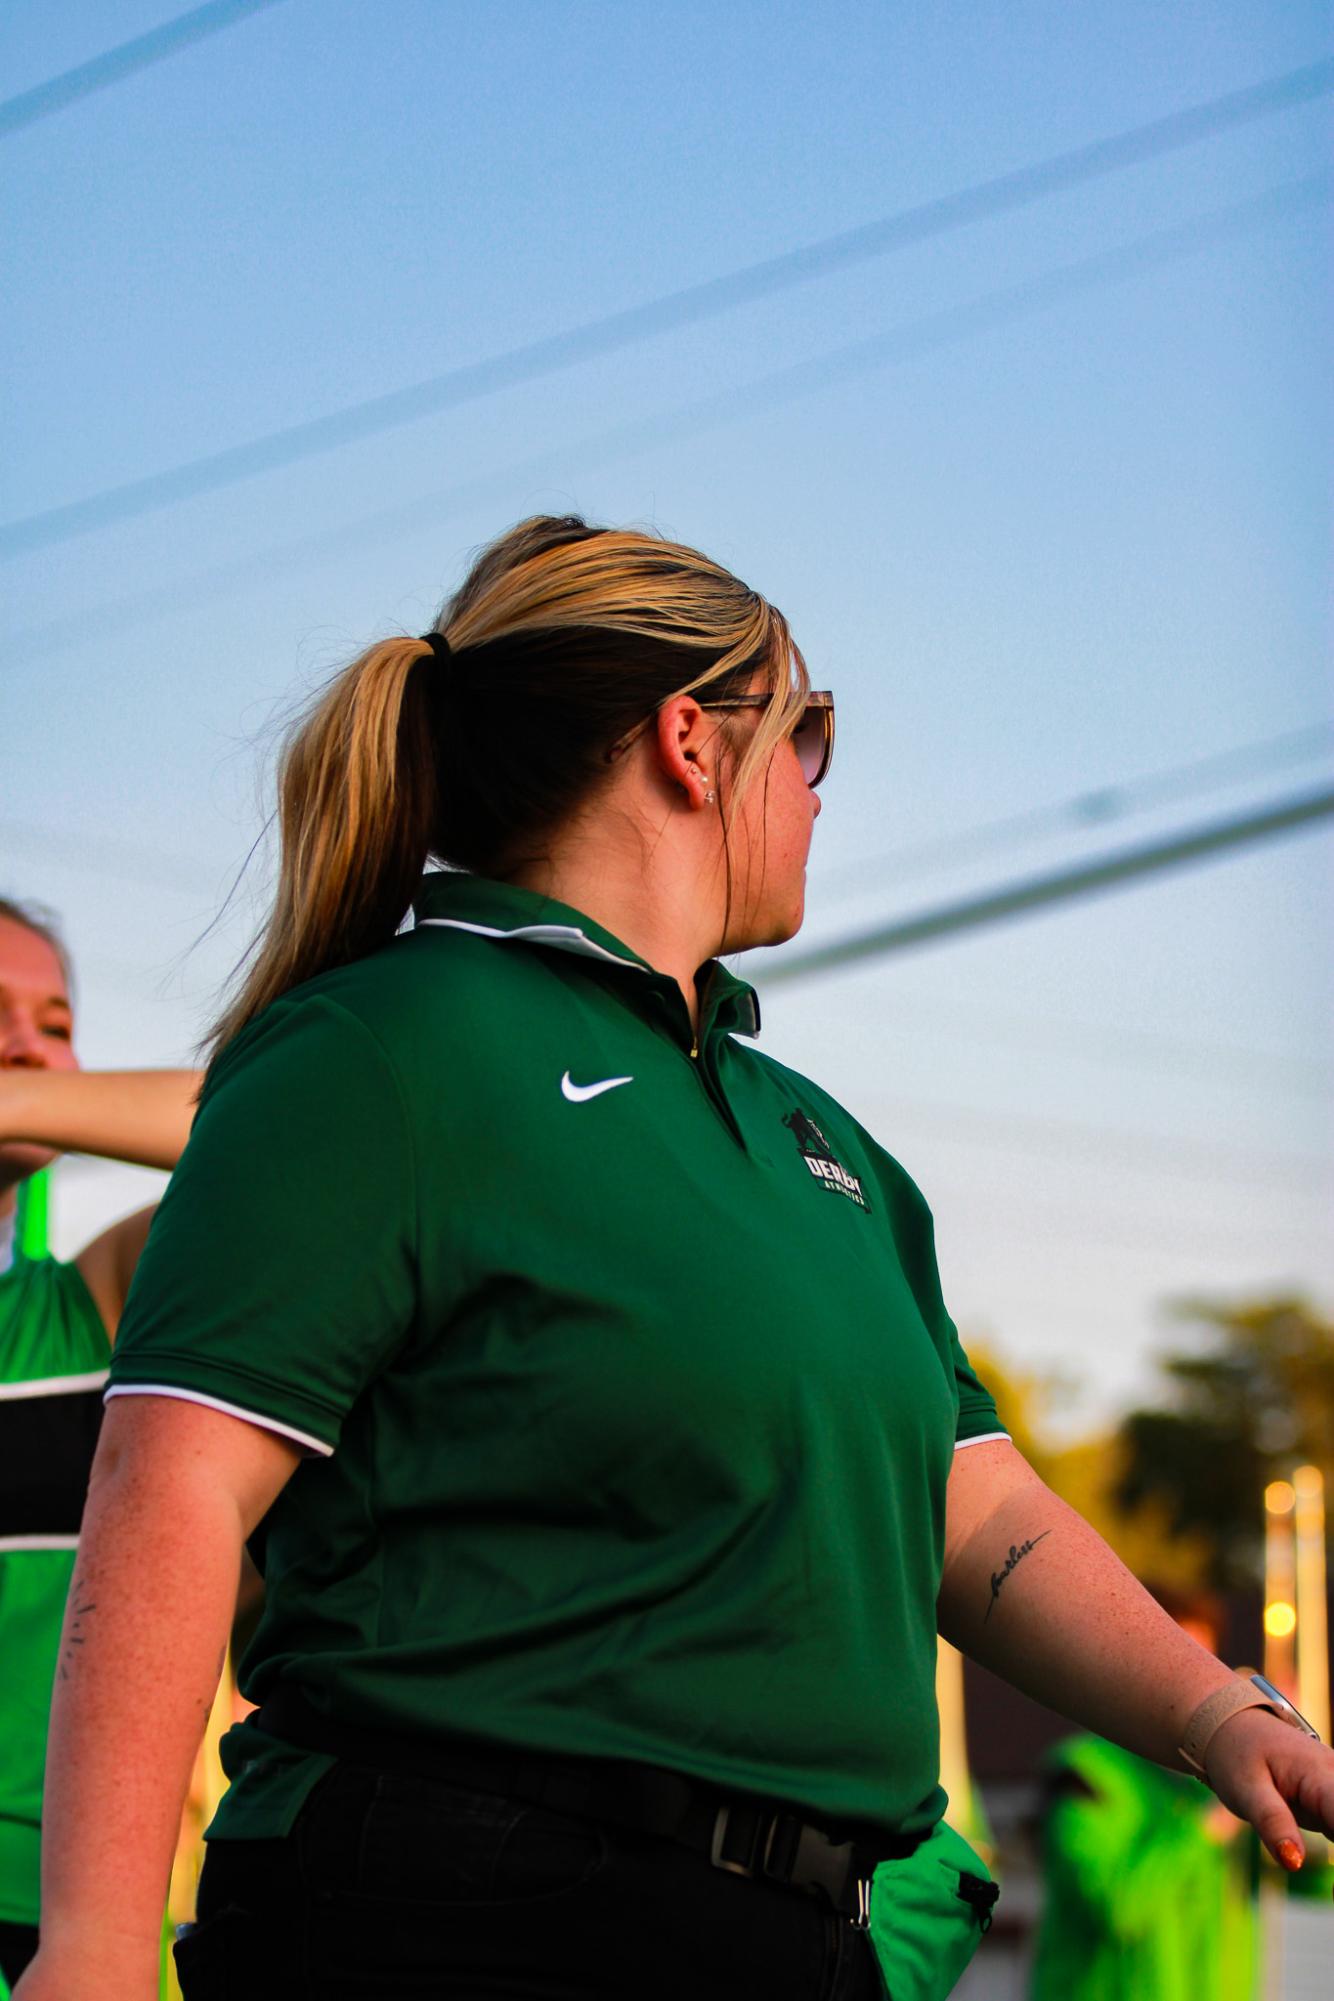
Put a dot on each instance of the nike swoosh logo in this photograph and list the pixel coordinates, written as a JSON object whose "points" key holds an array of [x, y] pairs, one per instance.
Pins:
{"points": [[579, 1094]]}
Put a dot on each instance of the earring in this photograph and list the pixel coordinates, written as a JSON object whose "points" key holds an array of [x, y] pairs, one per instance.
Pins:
{"points": [[709, 798]]}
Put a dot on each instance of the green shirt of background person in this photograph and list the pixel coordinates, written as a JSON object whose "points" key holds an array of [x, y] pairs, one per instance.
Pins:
{"points": [[57, 1322], [1149, 1881]]}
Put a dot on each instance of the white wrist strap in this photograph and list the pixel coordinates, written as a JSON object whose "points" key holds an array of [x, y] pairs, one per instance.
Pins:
{"points": [[1240, 1693]]}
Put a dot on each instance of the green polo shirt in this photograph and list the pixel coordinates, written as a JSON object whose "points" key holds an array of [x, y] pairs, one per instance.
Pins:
{"points": [[627, 1387]]}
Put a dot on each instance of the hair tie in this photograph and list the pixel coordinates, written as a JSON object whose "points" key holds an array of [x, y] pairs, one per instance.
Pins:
{"points": [[438, 644]]}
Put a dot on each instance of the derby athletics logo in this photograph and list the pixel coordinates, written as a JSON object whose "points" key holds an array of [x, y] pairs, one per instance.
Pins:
{"points": [[820, 1158]]}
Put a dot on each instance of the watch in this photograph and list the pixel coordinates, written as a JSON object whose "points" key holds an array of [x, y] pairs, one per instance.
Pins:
{"points": [[1244, 1691]]}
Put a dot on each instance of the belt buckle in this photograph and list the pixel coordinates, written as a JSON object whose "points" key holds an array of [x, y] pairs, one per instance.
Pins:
{"points": [[811, 1860], [716, 1845]]}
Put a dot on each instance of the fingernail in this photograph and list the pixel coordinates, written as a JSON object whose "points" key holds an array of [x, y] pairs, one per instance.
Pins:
{"points": [[1289, 1853]]}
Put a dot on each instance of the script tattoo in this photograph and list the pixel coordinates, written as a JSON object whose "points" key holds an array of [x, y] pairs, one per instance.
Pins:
{"points": [[998, 1577], [75, 1637]]}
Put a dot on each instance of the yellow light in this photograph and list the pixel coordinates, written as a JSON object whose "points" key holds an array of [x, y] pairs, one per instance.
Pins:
{"points": [[1280, 1497], [1308, 1483], [1280, 1619]]}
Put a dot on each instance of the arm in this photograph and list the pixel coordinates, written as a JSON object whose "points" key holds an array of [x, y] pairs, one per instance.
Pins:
{"points": [[106, 1266], [140, 1116], [175, 1490], [1033, 1593]]}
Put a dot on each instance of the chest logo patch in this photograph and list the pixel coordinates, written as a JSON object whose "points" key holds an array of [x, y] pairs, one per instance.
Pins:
{"points": [[821, 1160], [579, 1094]]}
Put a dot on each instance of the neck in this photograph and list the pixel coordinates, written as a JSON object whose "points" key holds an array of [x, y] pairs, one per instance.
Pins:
{"points": [[651, 900]]}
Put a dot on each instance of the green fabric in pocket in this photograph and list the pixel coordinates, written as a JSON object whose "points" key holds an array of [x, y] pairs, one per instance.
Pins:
{"points": [[928, 1913]]}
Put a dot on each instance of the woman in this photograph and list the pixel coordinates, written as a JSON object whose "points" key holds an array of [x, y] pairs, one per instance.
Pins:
{"points": [[580, 1376], [56, 1323]]}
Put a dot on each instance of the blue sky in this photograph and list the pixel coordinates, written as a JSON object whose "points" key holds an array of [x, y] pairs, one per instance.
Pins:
{"points": [[1083, 544]]}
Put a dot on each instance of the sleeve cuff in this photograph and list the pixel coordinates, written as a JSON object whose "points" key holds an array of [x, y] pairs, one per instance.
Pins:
{"points": [[981, 1438], [258, 1418]]}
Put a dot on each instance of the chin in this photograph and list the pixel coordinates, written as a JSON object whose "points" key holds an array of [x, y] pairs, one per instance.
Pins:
{"points": [[790, 921], [769, 928]]}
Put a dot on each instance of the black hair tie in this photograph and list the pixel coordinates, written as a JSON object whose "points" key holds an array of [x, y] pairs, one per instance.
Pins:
{"points": [[438, 644]]}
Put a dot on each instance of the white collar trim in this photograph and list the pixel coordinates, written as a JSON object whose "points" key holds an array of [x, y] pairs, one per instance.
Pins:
{"points": [[562, 937]]}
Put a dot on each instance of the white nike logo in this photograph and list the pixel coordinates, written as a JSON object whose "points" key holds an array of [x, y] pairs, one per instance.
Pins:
{"points": [[579, 1093]]}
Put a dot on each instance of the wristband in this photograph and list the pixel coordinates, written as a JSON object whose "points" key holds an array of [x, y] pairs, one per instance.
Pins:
{"points": [[1244, 1691]]}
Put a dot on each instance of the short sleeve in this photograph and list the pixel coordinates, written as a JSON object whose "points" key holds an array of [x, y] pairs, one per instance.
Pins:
{"points": [[279, 1275]]}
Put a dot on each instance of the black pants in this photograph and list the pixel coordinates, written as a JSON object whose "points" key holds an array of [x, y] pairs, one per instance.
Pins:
{"points": [[18, 1943], [391, 1886]]}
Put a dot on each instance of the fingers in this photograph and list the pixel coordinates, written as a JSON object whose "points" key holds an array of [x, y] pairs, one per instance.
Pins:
{"points": [[1272, 1819], [1257, 1768], [1310, 1789]]}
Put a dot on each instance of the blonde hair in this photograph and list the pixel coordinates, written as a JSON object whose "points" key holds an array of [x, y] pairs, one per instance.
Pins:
{"points": [[562, 639]]}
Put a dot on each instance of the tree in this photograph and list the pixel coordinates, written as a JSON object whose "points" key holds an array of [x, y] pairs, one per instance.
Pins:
{"points": [[1239, 1411]]}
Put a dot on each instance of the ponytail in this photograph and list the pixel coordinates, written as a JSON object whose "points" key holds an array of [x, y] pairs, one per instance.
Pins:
{"points": [[356, 808]]}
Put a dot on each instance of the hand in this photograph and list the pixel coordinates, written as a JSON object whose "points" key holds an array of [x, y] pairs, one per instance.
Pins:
{"points": [[1221, 1824], [1276, 1778]]}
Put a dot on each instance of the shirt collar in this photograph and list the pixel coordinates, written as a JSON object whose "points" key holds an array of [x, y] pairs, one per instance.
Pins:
{"points": [[504, 911]]}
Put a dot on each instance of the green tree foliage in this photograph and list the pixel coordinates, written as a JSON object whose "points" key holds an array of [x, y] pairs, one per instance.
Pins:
{"points": [[1242, 1407]]}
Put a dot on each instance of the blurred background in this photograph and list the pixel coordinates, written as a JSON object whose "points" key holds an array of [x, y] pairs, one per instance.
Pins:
{"points": [[992, 343]]}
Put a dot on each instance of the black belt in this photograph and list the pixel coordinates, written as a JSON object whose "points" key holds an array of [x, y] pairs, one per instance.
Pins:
{"points": [[749, 1837]]}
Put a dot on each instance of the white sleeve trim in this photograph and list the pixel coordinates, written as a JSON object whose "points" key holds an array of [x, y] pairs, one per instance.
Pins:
{"points": [[983, 1438], [255, 1417], [52, 1386]]}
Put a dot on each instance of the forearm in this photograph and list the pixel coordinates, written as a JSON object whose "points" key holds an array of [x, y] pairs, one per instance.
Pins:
{"points": [[145, 1631], [1037, 1596], [140, 1116]]}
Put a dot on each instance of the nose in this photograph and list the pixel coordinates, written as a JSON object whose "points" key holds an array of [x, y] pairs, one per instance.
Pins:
{"points": [[22, 1046]]}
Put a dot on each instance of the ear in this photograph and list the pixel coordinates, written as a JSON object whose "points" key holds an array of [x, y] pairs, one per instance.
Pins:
{"points": [[684, 741]]}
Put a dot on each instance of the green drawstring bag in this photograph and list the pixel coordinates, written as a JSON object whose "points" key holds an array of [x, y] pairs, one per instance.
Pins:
{"points": [[928, 1914]]}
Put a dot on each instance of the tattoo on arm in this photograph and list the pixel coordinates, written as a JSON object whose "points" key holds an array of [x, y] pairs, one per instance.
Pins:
{"points": [[1016, 1556], [80, 1607]]}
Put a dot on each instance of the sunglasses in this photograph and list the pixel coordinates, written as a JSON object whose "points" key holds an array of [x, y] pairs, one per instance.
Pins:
{"points": [[813, 737]]}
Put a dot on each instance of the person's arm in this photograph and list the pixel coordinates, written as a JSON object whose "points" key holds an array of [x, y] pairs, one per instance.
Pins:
{"points": [[175, 1490], [106, 1265], [1033, 1593], [140, 1116]]}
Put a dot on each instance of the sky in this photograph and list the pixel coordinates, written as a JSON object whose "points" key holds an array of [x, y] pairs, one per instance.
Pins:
{"points": [[1045, 496]]}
